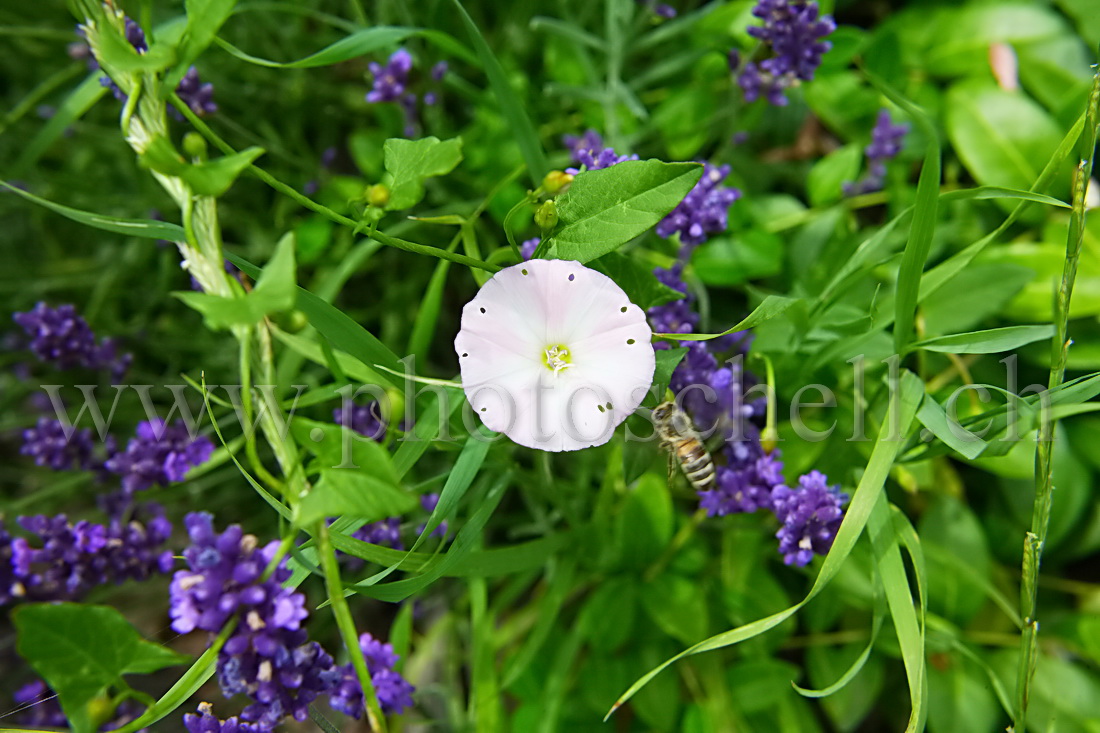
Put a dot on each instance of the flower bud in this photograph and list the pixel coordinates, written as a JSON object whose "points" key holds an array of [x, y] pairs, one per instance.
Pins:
{"points": [[194, 145], [378, 195], [547, 215], [556, 181]]}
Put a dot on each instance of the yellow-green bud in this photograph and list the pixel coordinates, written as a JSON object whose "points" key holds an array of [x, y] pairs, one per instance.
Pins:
{"points": [[556, 181], [547, 215], [194, 145], [378, 195]]}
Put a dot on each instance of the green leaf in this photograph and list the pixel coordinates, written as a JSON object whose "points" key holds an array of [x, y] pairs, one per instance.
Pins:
{"points": [[83, 650], [605, 209], [204, 19], [606, 619], [208, 178], [826, 179], [354, 493], [637, 281], [353, 46], [411, 161], [340, 330], [146, 228], [975, 294], [934, 417], [510, 104], [275, 291], [769, 308], [115, 54], [731, 261], [1003, 138], [667, 361], [992, 341], [677, 606]]}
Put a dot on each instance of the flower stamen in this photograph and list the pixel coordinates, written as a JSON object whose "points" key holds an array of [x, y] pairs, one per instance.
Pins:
{"points": [[556, 358]]}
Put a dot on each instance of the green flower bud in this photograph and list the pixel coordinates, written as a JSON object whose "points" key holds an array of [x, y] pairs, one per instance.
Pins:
{"points": [[378, 195], [556, 181], [194, 145], [547, 215]]}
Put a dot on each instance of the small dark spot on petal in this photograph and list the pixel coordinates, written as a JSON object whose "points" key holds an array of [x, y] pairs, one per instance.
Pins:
{"points": [[623, 309], [524, 271], [600, 408], [483, 409], [570, 278], [464, 353], [609, 405], [482, 310], [630, 341]]}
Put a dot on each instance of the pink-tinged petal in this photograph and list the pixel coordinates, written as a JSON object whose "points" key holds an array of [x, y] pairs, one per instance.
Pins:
{"points": [[606, 367]]}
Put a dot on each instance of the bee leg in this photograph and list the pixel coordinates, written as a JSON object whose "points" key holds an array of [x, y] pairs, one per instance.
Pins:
{"points": [[671, 468]]}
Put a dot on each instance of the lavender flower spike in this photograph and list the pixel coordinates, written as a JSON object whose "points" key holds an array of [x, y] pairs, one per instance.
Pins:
{"points": [[704, 211], [62, 338], [886, 143], [390, 80], [394, 691], [49, 445], [793, 31], [158, 455], [810, 514]]}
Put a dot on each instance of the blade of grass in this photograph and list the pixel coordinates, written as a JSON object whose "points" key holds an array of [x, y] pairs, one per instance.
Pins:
{"points": [[899, 417], [1044, 457], [510, 104], [82, 99], [485, 697]]}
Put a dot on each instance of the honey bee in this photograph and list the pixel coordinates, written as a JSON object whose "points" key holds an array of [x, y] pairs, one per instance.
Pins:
{"points": [[684, 444]]}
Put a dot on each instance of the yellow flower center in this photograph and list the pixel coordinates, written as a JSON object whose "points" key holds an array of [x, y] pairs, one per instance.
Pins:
{"points": [[556, 358]]}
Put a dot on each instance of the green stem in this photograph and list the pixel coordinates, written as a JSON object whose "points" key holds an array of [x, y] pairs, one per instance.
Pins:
{"points": [[335, 587], [324, 211], [1044, 458]]}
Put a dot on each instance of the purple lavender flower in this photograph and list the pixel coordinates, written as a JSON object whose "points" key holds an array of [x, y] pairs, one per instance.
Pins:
{"points": [[195, 94], [207, 722], [429, 502], [793, 31], [527, 248], [363, 419], [159, 455], [383, 532], [40, 708], [394, 691], [136, 36], [7, 569], [886, 143], [439, 71], [268, 657], [588, 150], [50, 444], [665, 11], [63, 339], [390, 80], [746, 482], [810, 514], [74, 558], [703, 211]]}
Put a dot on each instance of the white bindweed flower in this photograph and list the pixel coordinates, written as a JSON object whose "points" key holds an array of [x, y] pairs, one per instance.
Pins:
{"points": [[554, 355]]}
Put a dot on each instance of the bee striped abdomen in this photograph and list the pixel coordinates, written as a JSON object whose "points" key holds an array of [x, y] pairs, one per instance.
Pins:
{"points": [[696, 462]]}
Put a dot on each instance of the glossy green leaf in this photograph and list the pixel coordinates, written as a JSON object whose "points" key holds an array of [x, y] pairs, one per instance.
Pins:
{"points": [[82, 650], [1004, 138], [604, 209], [825, 182], [409, 162], [208, 178]]}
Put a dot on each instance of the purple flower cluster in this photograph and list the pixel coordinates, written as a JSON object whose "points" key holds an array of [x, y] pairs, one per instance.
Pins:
{"points": [[158, 455], [268, 657], [383, 532], [810, 514], [363, 419], [589, 152], [391, 84], [704, 210], [527, 248], [207, 722], [751, 478], [394, 691], [71, 559], [792, 30], [60, 337], [191, 90], [886, 142], [53, 445]]}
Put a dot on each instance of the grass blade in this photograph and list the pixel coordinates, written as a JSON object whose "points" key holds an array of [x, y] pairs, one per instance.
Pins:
{"points": [[510, 105]]}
